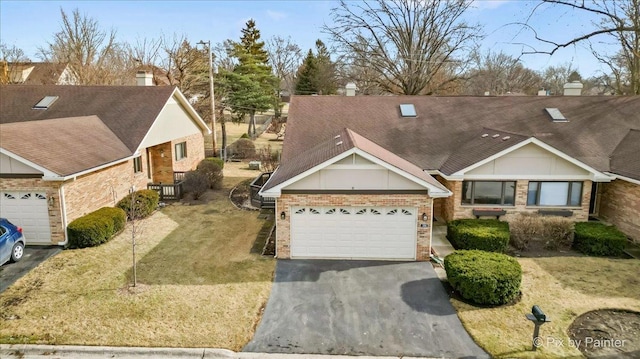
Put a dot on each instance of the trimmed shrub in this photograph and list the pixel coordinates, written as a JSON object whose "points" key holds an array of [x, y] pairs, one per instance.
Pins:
{"points": [[549, 232], [243, 148], [196, 183], [216, 160], [245, 135], [599, 239], [96, 227], [213, 172], [483, 234], [484, 277], [144, 201]]}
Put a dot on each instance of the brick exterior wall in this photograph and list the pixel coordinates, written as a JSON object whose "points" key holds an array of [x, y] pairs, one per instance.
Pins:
{"points": [[195, 152], [452, 208], [103, 188], [286, 201], [620, 205], [52, 191], [163, 162]]}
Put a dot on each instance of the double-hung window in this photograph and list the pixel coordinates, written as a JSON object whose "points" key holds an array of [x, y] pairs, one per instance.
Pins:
{"points": [[489, 192], [181, 150], [137, 164], [559, 194]]}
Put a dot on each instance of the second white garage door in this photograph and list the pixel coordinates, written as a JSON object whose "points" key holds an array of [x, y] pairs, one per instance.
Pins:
{"points": [[353, 232]]}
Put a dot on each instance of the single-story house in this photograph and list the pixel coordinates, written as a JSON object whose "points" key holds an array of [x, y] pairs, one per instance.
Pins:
{"points": [[366, 176], [66, 151]]}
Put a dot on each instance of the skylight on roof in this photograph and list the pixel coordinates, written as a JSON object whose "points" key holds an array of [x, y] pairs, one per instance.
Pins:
{"points": [[555, 114], [45, 103], [408, 110]]}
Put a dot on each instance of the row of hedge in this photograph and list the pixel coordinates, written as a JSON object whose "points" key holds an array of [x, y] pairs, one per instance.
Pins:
{"points": [[99, 226], [591, 238]]}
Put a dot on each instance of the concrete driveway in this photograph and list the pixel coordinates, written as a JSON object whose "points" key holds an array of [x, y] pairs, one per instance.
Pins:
{"points": [[361, 308], [33, 256]]}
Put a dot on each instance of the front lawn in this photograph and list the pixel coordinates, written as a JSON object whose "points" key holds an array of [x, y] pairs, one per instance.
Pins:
{"points": [[564, 287], [199, 285]]}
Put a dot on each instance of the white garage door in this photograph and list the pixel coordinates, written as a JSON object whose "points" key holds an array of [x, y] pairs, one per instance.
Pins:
{"points": [[29, 211], [353, 232]]}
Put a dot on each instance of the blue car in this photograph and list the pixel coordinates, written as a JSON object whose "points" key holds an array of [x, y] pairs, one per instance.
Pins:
{"points": [[11, 242]]}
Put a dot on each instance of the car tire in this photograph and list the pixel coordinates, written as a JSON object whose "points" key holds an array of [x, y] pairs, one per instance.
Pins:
{"points": [[17, 252]]}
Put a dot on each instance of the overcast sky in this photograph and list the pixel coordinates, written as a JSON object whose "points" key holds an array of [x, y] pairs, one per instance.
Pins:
{"points": [[31, 24]]}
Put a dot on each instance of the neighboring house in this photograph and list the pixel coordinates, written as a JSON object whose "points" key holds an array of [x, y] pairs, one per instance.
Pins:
{"points": [[38, 73], [366, 176], [66, 151]]}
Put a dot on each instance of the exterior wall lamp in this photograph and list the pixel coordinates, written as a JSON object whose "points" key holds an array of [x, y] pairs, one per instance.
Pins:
{"points": [[51, 201], [283, 215], [162, 152], [424, 217]]}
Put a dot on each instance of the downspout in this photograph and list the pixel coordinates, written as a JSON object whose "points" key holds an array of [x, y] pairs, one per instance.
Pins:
{"points": [[63, 207]]}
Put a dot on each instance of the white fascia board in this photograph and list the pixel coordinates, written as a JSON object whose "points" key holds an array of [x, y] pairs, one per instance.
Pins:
{"points": [[596, 175], [45, 172], [82, 173], [433, 190], [276, 191], [589, 177], [624, 178]]}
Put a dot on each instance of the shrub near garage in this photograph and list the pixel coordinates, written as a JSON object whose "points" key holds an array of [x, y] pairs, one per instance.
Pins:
{"points": [[598, 239], [483, 234], [96, 227], [484, 277], [144, 202]]}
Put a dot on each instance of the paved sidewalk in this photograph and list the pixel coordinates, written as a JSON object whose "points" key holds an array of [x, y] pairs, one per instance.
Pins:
{"points": [[86, 352]]}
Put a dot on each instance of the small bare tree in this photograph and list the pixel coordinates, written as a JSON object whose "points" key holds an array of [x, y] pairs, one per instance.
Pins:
{"points": [[135, 229]]}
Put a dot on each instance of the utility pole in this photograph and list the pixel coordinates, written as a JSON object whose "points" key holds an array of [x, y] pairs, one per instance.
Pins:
{"points": [[213, 105]]}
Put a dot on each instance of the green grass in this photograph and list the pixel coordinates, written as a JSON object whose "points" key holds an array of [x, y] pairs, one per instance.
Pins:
{"points": [[199, 285]]}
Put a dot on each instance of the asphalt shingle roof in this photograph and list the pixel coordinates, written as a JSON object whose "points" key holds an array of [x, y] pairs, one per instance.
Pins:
{"points": [[443, 136]]}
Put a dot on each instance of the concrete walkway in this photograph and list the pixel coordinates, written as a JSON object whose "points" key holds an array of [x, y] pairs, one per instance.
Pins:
{"points": [[439, 242], [87, 352]]}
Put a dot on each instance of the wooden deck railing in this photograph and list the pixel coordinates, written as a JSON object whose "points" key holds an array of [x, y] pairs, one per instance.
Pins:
{"points": [[169, 192], [254, 188]]}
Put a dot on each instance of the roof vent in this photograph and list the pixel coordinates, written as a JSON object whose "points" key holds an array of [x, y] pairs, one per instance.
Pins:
{"points": [[336, 137], [496, 135], [485, 135], [408, 110], [555, 114], [338, 143], [506, 138], [45, 103]]}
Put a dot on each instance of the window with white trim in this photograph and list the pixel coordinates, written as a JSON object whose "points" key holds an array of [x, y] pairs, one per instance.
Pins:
{"points": [[137, 164], [489, 192], [558, 194], [181, 150]]}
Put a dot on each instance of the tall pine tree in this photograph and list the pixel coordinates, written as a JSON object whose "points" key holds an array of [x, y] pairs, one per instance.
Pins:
{"points": [[317, 74], [307, 84], [252, 84]]}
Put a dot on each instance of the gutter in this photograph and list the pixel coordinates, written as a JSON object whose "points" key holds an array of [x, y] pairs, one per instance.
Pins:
{"points": [[624, 178], [81, 173]]}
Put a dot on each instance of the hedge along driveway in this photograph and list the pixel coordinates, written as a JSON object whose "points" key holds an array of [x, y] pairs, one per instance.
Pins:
{"points": [[81, 296], [564, 287]]}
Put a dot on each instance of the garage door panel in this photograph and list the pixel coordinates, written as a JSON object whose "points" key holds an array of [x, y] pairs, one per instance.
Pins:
{"points": [[29, 210], [354, 232]]}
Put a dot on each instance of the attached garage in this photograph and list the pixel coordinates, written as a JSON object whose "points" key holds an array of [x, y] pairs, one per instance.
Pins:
{"points": [[349, 198], [354, 232], [28, 210]]}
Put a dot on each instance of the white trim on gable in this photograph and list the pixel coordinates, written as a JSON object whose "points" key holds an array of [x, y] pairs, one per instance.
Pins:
{"points": [[46, 172], [595, 175], [276, 191], [624, 178]]}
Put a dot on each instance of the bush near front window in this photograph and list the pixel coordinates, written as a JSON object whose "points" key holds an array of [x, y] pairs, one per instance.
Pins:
{"points": [[484, 277], [144, 201], [598, 239], [96, 227], [483, 234]]}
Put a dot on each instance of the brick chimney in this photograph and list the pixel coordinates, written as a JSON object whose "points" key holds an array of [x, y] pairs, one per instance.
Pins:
{"points": [[144, 78], [573, 88]]}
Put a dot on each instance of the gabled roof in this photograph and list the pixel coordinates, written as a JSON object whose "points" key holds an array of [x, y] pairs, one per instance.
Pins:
{"points": [[339, 146], [43, 73], [625, 160], [481, 145], [128, 111], [68, 146], [444, 125]]}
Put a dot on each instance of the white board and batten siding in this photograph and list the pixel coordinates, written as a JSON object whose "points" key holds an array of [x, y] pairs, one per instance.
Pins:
{"points": [[387, 233]]}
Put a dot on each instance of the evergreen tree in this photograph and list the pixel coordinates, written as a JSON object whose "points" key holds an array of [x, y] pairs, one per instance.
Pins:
{"points": [[252, 86], [307, 84]]}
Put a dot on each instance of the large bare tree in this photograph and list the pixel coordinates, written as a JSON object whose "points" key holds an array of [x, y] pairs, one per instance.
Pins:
{"points": [[499, 74], [285, 57], [9, 57], [618, 20], [413, 47], [91, 52]]}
